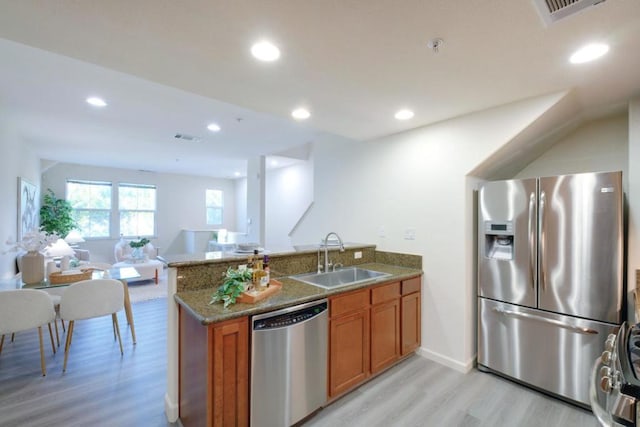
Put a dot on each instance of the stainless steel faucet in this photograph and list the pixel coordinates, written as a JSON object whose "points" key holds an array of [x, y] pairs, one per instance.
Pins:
{"points": [[326, 249]]}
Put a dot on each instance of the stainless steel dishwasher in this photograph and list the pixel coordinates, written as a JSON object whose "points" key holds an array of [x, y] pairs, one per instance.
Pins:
{"points": [[288, 364]]}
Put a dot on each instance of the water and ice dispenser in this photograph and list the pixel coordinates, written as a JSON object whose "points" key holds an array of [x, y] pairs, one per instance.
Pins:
{"points": [[498, 236]]}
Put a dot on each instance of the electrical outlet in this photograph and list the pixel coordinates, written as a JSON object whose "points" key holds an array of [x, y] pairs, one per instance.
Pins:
{"points": [[410, 234], [382, 232], [357, 255]]}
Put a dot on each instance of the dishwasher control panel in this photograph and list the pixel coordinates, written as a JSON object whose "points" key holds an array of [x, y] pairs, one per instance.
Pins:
{"points": [[288, 319]]}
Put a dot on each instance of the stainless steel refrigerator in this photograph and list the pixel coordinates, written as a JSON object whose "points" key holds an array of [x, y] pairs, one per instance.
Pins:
{"points": [[550, 278]]}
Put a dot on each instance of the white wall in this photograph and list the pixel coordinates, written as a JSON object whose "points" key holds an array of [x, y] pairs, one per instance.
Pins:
{"points": [[633, 194], [417, 180], [289, 192], [241, 204], [255, 220], [597, 146], [16, 160], [180, 204]]}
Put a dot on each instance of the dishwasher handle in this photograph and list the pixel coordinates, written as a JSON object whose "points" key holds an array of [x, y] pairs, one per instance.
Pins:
{"points": [[290, 316]]}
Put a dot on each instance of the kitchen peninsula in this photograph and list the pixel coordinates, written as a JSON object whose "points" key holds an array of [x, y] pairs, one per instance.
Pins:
{"points": [[372, 325]]}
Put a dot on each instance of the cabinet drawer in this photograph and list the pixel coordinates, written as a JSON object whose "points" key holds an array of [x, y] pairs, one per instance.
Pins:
{"points": [[385, 292], [349, 302], [410, 286]]}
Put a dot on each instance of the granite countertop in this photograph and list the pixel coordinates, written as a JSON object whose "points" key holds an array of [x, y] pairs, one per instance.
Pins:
{"points": [[183, 260], [293, 292]]}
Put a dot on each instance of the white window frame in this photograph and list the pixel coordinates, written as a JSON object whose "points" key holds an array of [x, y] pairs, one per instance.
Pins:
{"points": [[108, 211], [213, 206], [153, 211]]}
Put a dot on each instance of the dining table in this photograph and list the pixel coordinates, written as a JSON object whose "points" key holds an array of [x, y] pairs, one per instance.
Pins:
{"points": [[123, 274]]}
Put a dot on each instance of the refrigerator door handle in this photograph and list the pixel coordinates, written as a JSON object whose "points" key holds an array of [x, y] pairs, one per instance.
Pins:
{"points": [[578, 329], [532, 243], [543, 232]]}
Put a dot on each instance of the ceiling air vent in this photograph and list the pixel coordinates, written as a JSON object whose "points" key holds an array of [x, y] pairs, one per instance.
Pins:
{"points": [[185, 137], [554, 10]]}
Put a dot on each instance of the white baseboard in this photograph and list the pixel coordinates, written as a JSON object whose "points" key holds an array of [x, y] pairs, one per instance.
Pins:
{"points": [[170, 409], [447, 361]]}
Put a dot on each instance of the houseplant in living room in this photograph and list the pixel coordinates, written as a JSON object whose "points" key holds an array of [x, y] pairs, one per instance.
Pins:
{"points": [[56, 215], [137, 246]]}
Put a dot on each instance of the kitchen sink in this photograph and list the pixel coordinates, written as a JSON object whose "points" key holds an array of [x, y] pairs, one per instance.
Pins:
{"points": [[339, 278]]}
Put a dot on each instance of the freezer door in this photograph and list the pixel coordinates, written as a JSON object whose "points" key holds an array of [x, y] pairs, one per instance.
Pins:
{"points": [[581, 245], [508, 273], [551, 352]]}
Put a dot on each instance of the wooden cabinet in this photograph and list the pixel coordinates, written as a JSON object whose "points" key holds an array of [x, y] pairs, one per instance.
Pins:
{"points": [[214, 372], [348, 341], [385, 326], [230, 348], [410, 313], [370, 330]]}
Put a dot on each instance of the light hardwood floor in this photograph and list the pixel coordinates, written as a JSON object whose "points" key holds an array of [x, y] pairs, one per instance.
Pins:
{"points": [[419, 392], [101, 388]]}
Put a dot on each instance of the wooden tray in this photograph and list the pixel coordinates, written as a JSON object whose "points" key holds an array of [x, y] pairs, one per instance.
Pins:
{"points": [[57, 277], [254, 297]]}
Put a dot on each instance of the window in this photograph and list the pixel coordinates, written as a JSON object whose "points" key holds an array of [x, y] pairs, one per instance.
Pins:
{"points": [[91, 202], [137, 204], [214, 204]]}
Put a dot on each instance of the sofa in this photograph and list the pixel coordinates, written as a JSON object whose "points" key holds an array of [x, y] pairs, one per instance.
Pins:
{"points": [[147, 266]]}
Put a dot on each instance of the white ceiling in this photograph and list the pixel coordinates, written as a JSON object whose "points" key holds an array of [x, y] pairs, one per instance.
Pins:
{"points": [[353, 63]]}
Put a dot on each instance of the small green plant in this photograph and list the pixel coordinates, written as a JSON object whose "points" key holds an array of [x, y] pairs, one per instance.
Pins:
{"points": [[233, 285], [139, 243], [56, 215]]}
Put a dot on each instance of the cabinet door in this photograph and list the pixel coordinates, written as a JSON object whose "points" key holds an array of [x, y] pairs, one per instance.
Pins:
{"points": [[348, 351], [230, 373], [410, 322], [385, 334]]}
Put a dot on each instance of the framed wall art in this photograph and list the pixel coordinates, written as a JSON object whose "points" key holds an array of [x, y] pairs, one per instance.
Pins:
{"points": [[28, 211]]}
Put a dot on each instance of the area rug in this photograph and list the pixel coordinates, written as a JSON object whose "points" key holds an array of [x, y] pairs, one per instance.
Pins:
{"points": [[145, 290]]}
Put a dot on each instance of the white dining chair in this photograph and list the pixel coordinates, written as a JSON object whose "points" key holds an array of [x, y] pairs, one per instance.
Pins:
{"points": [[56, 293], [56, 296], [88, 299], [24, 309]]}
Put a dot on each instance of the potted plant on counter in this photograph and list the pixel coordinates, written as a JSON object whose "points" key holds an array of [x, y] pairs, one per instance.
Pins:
{"points": [[234, 284]]}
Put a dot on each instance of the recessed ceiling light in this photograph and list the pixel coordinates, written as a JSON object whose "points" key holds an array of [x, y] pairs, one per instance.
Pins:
{"points": [[588, 53], [265, 51], [300, 114], [274, 163], [404, 115], [236, 173], [96, 102], [213, 127]]}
